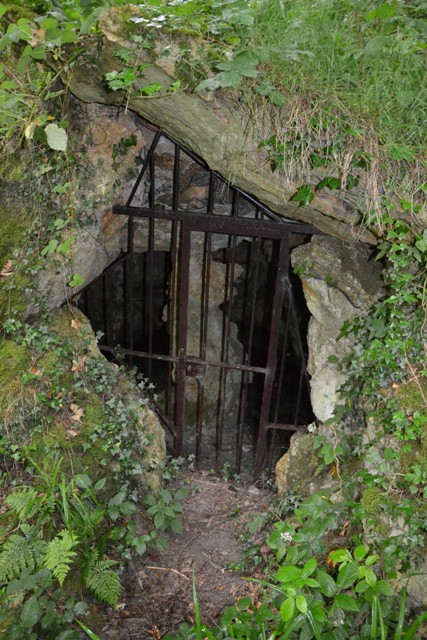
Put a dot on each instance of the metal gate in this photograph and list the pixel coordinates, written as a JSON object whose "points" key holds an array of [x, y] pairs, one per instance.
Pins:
{"points": [[202, 304]]}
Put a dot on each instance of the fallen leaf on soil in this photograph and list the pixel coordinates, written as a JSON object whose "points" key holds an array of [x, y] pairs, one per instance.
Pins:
{"points": [[72, 433], [75, 324], [6, 269], [78, 413], [78, 366]]}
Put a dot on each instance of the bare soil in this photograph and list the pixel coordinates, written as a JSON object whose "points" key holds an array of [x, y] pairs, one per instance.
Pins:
{"points": [[158, 587]]}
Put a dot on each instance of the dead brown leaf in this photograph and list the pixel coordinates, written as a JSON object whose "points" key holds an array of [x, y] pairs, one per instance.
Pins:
{"points": [[75, 324], [6, 269], [78, 365], [77, 413]]}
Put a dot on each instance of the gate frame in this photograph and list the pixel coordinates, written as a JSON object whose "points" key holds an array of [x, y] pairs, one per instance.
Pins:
{"points": [[275, 227]]}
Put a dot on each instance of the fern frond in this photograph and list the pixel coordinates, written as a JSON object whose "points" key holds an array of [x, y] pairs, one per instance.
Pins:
{"points": [[18, 554], [103, 581], [23, 502], [59, 554]]}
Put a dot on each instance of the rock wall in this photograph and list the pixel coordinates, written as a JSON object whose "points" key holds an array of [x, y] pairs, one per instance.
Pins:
{"points": [[340, 281]]}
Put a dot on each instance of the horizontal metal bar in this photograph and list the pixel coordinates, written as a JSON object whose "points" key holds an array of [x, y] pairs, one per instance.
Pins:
{"points": [[218, 224], [286, 427], [156, 356]]}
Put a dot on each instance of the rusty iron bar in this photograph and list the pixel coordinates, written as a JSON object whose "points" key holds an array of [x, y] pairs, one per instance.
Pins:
{"points": [[145, 164], [220, 224], [279, 292], [185, 247]]}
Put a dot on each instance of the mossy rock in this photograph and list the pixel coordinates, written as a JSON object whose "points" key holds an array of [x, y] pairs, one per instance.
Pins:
{"points": [[52, 406]]}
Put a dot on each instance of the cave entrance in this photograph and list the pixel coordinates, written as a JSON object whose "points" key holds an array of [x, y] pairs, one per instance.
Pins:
{"points": [[204, 304]]}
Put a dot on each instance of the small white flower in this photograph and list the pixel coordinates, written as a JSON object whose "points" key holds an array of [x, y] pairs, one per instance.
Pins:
{"points": [[312, 428], [286, 536]]}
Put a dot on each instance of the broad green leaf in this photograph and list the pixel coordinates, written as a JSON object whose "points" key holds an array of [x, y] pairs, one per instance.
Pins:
{"points": [[287, 609], [83, 481], [301, 603], [347, 575], [370, 577], [371, 560], [57, 137], [288, 574], [327, 583], [304, 195], [384, 587], [31, 612], [360, 552], [346, 603], [128, 508], [100, 484], [309, 567]]}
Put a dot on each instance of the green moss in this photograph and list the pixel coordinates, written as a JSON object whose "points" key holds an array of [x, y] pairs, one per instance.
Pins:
{"points": [[411, 395], [14, 223], [371, 500], [14, 362]]}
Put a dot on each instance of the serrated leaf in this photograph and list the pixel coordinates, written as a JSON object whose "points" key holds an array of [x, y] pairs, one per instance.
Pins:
{"points": [[57, 137], [385, 588], [128, 508], [31, 612], [327, 583], [347, 575], [346, 603]]}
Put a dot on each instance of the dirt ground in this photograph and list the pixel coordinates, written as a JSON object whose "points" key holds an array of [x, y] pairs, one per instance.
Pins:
{"points": [[158, 586]]}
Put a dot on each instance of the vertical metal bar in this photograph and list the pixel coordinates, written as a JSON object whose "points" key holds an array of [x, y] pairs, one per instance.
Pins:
{"points": [[171, 313], [172, 280], [176, 175], [128, 288], [206, 273], [225, 348], [279, 292], [252, 280], [150, 292], [182, 334], [282, 366], [109, 334], [235, 203], [211, 194], [152, 191]]}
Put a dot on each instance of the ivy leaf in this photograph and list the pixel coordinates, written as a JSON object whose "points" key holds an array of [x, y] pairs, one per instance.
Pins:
{"points": [[304, 195], [76, 280], [57, 137], [330, 182]]}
